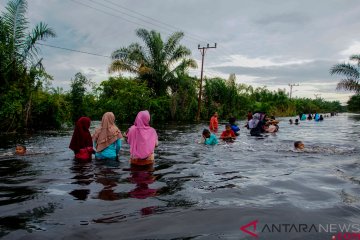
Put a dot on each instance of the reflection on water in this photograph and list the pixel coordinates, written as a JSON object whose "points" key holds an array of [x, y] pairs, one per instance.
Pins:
{"points": [[220, 187], [108, 177], [142, 176]]}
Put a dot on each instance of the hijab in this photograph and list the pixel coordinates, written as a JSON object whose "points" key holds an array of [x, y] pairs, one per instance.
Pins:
{"points": [[141, 137], [254, 121], [108, 133], [81, 137]]}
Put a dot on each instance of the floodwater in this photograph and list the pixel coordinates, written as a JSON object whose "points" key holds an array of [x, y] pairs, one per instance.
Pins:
{"points": [[193, 191]]}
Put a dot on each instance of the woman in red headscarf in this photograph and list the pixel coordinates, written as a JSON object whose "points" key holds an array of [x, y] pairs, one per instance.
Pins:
{"points": [[81, 142]]}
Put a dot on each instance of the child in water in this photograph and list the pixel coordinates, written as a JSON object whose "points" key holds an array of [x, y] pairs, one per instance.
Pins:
{"points": [[214, 123], [234, 127], [296, 121], [20, 150], [210, 139], [228, 134], [290, 121], [299, 145]]}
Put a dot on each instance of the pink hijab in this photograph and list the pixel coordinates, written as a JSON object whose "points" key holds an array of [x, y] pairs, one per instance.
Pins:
{"points": [[108, 133], [141, 137]]}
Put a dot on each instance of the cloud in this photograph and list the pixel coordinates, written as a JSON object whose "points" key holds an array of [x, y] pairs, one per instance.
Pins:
{"points": [[293, 18], [264, 42], [354, 48], [312, 76], [245, 61], [307, 71]]}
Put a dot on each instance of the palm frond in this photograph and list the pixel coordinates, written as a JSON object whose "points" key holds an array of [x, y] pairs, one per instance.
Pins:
{"points": [[121, 66], [121, 53], [355, 57], [345, 69], [16, 22], [146, 37], [349, 84], [153, 43], [133, 52], [181, 68], [179, 53], [172, 42], [30, 50], [155, 61]]}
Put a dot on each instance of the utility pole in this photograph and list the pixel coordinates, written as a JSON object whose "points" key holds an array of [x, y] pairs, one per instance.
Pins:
{"points": [[202, 51], [291, 85]]}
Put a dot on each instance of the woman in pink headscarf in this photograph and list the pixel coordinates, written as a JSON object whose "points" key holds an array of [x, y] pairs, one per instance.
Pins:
{"points": [[107, 138], [142, 140]]}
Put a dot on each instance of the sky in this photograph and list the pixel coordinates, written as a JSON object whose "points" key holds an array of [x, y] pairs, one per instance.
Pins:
{"points": [[270, 43]]}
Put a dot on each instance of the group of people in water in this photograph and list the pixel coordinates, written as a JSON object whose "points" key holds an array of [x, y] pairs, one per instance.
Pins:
{"points": [[257, 123], [106, 141], [317, 117]]}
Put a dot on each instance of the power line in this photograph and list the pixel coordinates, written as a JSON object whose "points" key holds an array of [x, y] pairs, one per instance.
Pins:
{"points": [[166, 24], [129, 15], [119, 16], [107, 13], [136, 23], [153, 19], [73, 50], [132, 16], [208, 72]]}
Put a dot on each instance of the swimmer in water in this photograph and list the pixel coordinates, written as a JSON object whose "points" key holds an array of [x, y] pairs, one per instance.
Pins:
{"points": [[228, 134], [209, 138], [20, 150], [299, 145]]}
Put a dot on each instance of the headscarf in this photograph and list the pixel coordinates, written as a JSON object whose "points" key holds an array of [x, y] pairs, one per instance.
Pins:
{"points": [[108, 133], [141, 137], [254, 121], [81, 137]]}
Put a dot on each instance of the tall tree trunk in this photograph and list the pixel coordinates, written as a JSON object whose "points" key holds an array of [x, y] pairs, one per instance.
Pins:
{"points": [[28, 111]]}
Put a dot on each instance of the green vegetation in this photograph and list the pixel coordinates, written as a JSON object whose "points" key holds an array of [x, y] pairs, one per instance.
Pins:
{"points": [[160, 83], [231, 99], [21, 72], [351, 81], [354, 103], [160, 64]]}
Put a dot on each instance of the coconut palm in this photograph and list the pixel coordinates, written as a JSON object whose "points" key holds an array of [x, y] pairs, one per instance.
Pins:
{"points": [[21, 45], [157, 62], [351, 74]]}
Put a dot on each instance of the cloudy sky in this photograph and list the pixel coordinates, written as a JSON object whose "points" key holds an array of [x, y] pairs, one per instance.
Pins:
{"points": [[264, 42]]}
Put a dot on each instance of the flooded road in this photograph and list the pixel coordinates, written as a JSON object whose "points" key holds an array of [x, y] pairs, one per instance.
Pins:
{"points": [[193, 191]]}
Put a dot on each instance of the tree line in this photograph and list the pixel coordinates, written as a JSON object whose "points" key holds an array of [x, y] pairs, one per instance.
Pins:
{"points": [[159, 82]]}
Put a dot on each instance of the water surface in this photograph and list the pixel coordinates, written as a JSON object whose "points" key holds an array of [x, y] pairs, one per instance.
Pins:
{"points": [[193, 191]]}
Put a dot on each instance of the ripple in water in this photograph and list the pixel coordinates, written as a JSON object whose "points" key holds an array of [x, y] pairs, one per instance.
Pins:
{"points": [[209, 190]]}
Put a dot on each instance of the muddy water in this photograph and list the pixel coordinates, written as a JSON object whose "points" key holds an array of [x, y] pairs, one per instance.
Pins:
{"points": [[193, 191]]}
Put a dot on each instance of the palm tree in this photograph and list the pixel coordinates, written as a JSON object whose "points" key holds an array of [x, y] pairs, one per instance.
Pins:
{"points": [[351, 73], [21, 45], [157, 62], [20, 69]]}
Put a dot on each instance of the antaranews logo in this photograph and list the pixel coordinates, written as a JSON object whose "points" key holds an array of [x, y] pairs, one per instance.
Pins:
{"points": [[250, 224], [347, 231]]}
